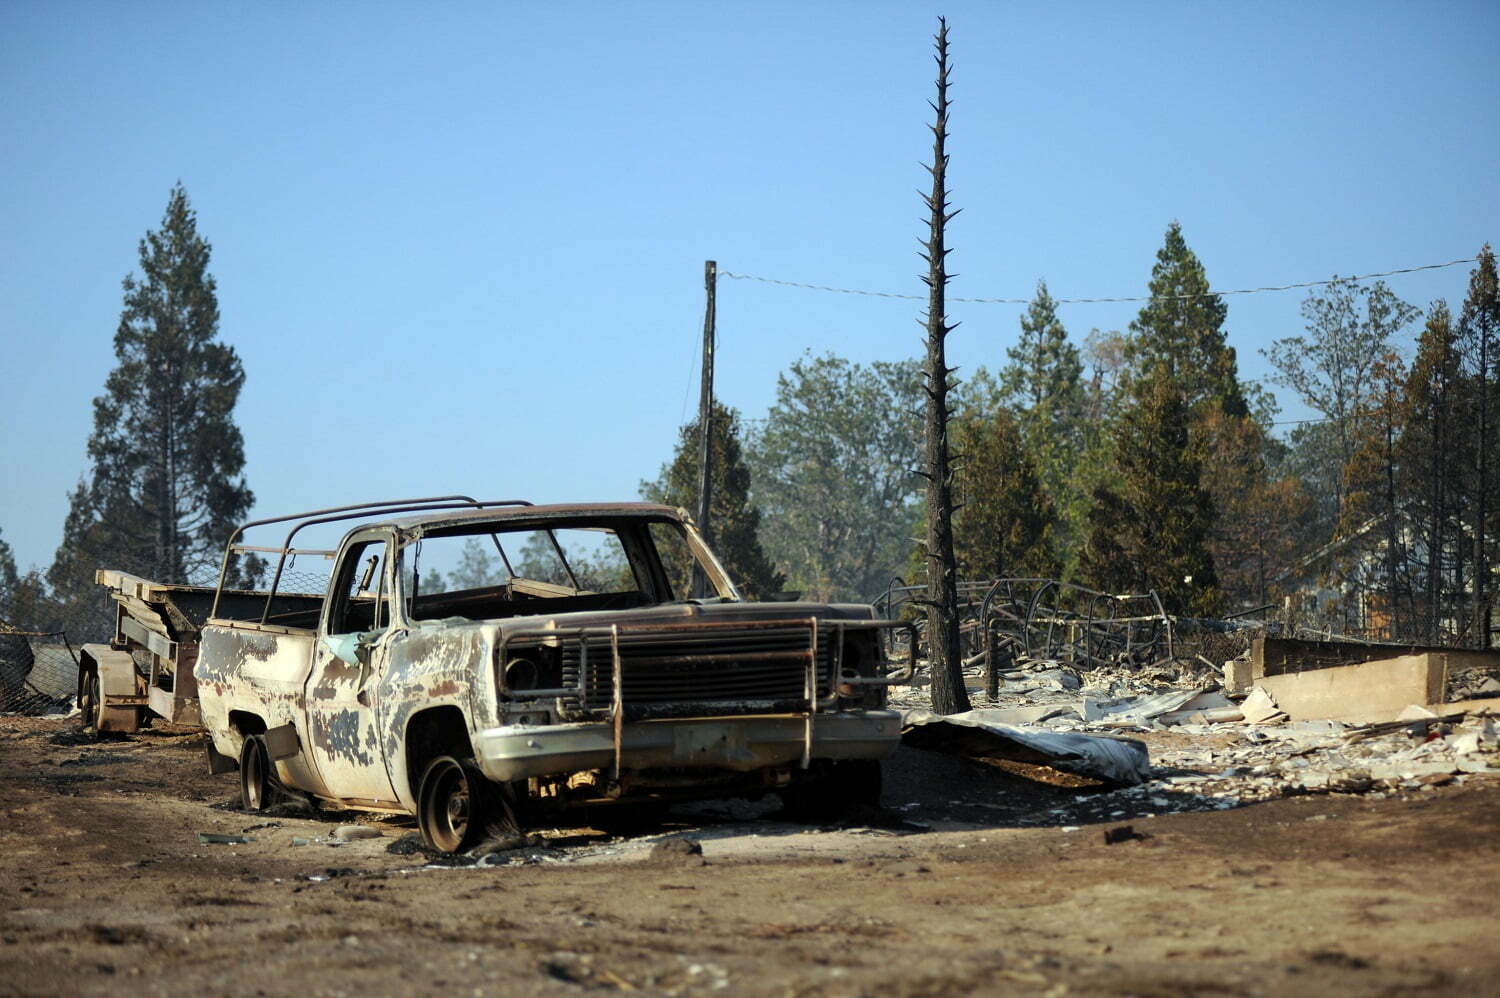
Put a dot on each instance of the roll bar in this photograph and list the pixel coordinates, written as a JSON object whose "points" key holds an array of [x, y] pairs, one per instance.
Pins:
{"points": [[333, 514]]}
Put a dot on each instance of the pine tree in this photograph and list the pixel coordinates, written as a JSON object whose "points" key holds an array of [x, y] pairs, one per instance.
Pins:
{"points": [[1378, 562], [1182, 326], [9, 578], [1043, 385], [1479, 331], [735, 518], [25, 604], [1004, 525], [166, 484], [1432, 464], [1044, 375], [1153, 530]]}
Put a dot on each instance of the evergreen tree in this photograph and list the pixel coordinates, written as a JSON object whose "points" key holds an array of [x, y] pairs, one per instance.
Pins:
{"points": [[1044, 375], [1377, 561], [1479, 334], [9, 578], [735, 519], [166, 484], [1432, 466], [1005, 522], [25, 604], [1043, 385], [1182, 326], [1153, 530], [1256, 528]]}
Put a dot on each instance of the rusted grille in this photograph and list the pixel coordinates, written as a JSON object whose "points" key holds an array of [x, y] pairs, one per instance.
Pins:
{"points": [[676, 672]]}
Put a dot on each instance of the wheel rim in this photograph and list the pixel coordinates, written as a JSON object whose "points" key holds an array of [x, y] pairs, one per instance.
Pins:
{"points": [[253, 775], [89, 701], [448, 808]]}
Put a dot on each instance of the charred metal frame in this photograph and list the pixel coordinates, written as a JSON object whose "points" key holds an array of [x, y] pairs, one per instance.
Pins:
{"points": [[1028, 614]]}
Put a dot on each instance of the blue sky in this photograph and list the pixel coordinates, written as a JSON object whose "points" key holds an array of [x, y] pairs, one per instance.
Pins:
{"points": [[460, 247]]}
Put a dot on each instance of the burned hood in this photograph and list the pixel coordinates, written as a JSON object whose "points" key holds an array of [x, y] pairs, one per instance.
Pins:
{"points": [[680, 613]]}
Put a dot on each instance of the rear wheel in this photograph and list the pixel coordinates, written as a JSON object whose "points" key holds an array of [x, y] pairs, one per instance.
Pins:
{"points": [[259, 788], [457, 805]]}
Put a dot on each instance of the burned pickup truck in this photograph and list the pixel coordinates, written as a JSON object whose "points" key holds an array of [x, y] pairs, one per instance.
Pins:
{"points": [[475, 663]]}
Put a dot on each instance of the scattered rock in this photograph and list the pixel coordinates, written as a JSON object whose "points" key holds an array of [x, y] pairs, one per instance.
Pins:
{"points": [[75, 737], [1121, 833], [349, 833], [679, 850], [409, 844]]}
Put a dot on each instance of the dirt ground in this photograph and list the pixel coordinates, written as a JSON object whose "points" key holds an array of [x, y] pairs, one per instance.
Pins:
{"points": [[978, 881]]}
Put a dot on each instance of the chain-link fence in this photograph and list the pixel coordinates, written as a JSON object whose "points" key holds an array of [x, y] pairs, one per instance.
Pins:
{"points": [[38, 671]]}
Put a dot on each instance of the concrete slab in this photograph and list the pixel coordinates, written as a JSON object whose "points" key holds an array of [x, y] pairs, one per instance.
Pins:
{"points": [[1360, 694]]}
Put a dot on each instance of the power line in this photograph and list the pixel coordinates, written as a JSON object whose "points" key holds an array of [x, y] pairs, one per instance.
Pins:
{"points": [[1096, 301]]}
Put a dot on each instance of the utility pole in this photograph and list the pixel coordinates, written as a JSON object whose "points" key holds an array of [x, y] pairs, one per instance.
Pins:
{"points": [[705, 410]]}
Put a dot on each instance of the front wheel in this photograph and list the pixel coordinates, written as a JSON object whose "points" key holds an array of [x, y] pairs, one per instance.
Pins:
{"points": [[457, 805]]}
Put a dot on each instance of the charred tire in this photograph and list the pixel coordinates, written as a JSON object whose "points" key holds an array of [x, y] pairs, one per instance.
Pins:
{"points": [[458, 805], [836, 790], [259, 787]]}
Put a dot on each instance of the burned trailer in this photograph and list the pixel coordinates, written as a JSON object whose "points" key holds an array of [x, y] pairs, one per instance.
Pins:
{"points": [[480, 662], [146, 668]]}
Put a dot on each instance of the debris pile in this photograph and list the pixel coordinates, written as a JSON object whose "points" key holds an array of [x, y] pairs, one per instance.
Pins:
{"points": [[1216, 748]]}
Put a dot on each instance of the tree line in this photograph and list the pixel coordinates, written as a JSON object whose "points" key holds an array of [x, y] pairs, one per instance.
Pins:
{"points": [[1122, 460], [1143, 460]]}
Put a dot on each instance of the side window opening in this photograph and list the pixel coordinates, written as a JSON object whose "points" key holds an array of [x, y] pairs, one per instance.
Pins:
{"points": [[364, 601]]}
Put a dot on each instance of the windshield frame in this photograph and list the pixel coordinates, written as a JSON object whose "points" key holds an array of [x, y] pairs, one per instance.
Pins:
{"points": [[632, 531]]}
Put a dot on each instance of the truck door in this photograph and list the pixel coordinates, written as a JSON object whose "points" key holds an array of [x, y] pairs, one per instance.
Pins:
{"points": [[342, 709]]}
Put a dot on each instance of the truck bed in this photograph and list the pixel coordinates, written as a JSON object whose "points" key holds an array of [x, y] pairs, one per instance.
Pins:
{"points": [[180, 611]]}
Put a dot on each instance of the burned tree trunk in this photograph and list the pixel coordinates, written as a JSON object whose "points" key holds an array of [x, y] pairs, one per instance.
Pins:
{"points": [[948, 693]]}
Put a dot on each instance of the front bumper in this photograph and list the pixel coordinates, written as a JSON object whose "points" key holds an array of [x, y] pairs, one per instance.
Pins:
{"points": [[742, 744]]}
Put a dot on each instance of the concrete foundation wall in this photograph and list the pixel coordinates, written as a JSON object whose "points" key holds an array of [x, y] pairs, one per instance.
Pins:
{"points": [[1370, 691]]}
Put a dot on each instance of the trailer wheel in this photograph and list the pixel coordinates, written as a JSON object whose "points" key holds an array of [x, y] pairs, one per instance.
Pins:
{"points": [[259, 788], [90, 699], [457, 805]]}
